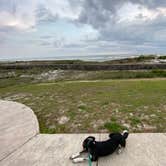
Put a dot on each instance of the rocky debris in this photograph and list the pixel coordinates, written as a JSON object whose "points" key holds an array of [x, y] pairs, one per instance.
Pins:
{"points": [[131, 114], [27, 76], [126, 125], [139, 126], [145, 107], [152, 115], [63, 120], [115, 105], [147, 127], [98, 123], [49, 75], [11, 74], [116, 110], [76, 125], [7, 75], [144, 117], [128, 105], [62, 110]]}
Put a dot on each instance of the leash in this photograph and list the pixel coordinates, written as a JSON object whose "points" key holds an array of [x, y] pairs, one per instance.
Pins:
{"points": [[89, 155], [89, 159]]}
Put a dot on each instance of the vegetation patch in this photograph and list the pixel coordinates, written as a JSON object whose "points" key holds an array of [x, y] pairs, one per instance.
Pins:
{"points": [[135, 120], [113, 127], [90, 101]]}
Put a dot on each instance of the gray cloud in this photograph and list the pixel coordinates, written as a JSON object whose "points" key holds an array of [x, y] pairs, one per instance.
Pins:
{"points": [[43, 14], [98, 13], [102, 16], [150, 3]]}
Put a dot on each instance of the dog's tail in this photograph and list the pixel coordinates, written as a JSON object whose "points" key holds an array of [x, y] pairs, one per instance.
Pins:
{"points": [[125, 134]]}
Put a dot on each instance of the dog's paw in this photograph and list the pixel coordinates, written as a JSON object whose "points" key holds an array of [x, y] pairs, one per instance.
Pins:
{"points": [[74, 156], [78, 160], [119, 151]]}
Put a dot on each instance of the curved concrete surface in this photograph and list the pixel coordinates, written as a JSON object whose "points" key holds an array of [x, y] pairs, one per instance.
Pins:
{"points": [[48, 150], [18, 124]]}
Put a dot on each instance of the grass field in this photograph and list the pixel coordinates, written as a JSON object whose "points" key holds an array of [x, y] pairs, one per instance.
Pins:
{"points": [[94, 106]]}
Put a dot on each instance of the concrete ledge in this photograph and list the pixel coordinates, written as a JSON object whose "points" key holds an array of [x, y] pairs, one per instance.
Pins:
{"points": [[54, 150], [18, 124]]}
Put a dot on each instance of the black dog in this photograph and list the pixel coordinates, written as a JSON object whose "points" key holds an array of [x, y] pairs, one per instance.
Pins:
{"points": [[97, 149]]}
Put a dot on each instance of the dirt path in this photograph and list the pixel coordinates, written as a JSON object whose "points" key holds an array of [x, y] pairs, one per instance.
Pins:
{"points": [[106, 80]]}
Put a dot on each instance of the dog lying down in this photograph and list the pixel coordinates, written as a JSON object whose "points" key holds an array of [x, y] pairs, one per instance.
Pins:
{"points": [[98, 149]]}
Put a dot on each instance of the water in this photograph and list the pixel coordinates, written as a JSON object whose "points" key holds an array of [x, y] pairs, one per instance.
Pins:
{"points": [[98, 58]]}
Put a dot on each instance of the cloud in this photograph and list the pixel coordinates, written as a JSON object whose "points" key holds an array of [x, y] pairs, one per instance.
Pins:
{"points": [[98, 13], [51, 10], [129, 23], [23, 15], [17, 14], [125, 25], [43, 14], [150, 3]]}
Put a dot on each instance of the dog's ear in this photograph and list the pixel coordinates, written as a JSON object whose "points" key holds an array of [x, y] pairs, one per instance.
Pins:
{"points": [[91, 144], [111, 135], [91, 138], [91, 141], [87, 141]]}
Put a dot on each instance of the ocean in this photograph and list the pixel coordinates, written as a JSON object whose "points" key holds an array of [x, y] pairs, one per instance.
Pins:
{"points": [[98, 58]]}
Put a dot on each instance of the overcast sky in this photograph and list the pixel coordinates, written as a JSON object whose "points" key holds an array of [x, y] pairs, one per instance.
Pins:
{"points": [[47, 28]]}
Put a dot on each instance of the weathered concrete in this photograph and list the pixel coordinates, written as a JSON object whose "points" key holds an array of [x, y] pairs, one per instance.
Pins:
{"points": [[55, 149], [146, 149], [18, 124], [47, 150], [21, 145]]}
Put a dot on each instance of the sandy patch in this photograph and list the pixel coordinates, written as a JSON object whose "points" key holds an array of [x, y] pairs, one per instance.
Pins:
{"points": [[17, 96]]}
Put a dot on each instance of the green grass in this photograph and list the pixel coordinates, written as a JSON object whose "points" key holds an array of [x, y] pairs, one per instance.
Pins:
{"points": [[135, 120], [113, 127], [110, 105], [162, 57]]}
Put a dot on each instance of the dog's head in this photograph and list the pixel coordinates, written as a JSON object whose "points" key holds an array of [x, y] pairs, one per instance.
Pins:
{"points": [[88, 143], [120, 138]]}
